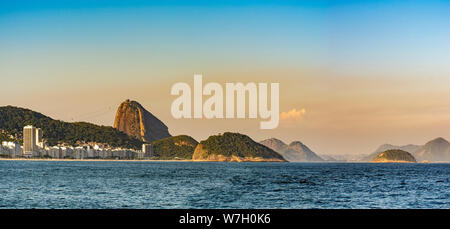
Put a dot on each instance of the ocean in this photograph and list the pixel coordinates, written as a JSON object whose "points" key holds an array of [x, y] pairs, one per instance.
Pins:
{"points": [[104, 184]]}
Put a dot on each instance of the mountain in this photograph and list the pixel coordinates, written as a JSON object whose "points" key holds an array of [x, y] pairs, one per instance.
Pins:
{"points": [[434, 150], [133, 119], [408, 148], [294, 152], [233, 147], [329, 158], [275, 144], [172, 148], [13, 119], [394, 155]]}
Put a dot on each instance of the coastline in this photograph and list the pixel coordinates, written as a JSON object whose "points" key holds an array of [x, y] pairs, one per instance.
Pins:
{"points": [[119, 160], [394, 161], [60, 159], [148, 160]]}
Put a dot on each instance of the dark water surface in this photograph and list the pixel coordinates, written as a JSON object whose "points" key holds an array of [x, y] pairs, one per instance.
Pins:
{"points": [[43, 184]]}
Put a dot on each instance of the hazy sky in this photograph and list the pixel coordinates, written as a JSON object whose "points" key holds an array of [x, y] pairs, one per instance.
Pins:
{"points": [[357, 73]]}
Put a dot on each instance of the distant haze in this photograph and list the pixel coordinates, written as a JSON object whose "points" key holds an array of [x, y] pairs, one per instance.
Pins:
{"points": [[352, 75]]}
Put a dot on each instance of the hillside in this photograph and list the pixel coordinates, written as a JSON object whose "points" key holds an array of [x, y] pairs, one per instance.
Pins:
{"points": [[435, 150], [294, 152], [4, 136], [13, 119], [410, 148], [233, 147], [275, 144], [329, 158], [177, 147], [394, 155]]}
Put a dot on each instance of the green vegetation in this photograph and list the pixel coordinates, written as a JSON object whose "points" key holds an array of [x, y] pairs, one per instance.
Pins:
{"points": [[177, 147], [237, 144], [13, 119], [4, 136], [394, 155]]}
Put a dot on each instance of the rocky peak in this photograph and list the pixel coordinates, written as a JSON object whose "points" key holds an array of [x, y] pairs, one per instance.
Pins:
{"points": [[438, 141], [133, 119]]}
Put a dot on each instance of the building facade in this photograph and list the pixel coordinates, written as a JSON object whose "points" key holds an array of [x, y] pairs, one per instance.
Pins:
{"points": [[32, 141], [39, 142], [29, 140], [147, 150]]}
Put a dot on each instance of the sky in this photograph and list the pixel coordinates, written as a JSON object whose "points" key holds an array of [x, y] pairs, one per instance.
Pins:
{"points": [[353, 74]]}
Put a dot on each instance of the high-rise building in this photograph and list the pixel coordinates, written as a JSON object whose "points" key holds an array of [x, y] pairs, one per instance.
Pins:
{"points": [[29, 140], [39, 137], [147, 149], [32, 140]]}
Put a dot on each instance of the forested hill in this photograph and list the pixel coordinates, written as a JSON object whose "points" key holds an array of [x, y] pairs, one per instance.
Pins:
{"points": [[233, 147], [13, 119]]}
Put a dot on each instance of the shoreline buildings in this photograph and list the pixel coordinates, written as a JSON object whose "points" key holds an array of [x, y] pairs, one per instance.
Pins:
{"points": [[11, 149], [34, 147]]}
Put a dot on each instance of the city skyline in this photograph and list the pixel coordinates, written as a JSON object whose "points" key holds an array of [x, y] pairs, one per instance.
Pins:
{"points": [[353, 74], [35, 147]]}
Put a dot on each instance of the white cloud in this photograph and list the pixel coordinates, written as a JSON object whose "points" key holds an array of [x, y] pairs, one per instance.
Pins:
{"points": [[293, 114]]}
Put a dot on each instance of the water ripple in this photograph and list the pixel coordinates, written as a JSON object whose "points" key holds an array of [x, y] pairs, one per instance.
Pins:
{"points": [[39, 184]]}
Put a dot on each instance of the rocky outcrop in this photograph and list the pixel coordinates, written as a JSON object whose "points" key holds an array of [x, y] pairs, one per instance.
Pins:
{"points": [[294, 152], [234, 147], [136, 121], [395, 155]]}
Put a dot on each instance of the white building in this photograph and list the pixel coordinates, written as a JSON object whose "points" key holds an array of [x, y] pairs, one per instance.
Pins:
{"points": [[11, 149], [147, 149], [39, 142], [55, 152], [29, 140], [32, 141]]}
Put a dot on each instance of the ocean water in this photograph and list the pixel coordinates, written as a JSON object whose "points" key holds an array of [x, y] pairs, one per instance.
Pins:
{"points": [[74, 184]]}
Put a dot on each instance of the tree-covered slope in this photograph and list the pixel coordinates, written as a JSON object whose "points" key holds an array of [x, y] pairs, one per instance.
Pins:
{"points": [[394, 155], [234, 147], [13, 119], [177, 147]]}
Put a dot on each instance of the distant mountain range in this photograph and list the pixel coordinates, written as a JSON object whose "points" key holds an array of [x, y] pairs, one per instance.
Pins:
{"points": [[296, 151], [408, 148], [135, 125], [434, 151]]}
